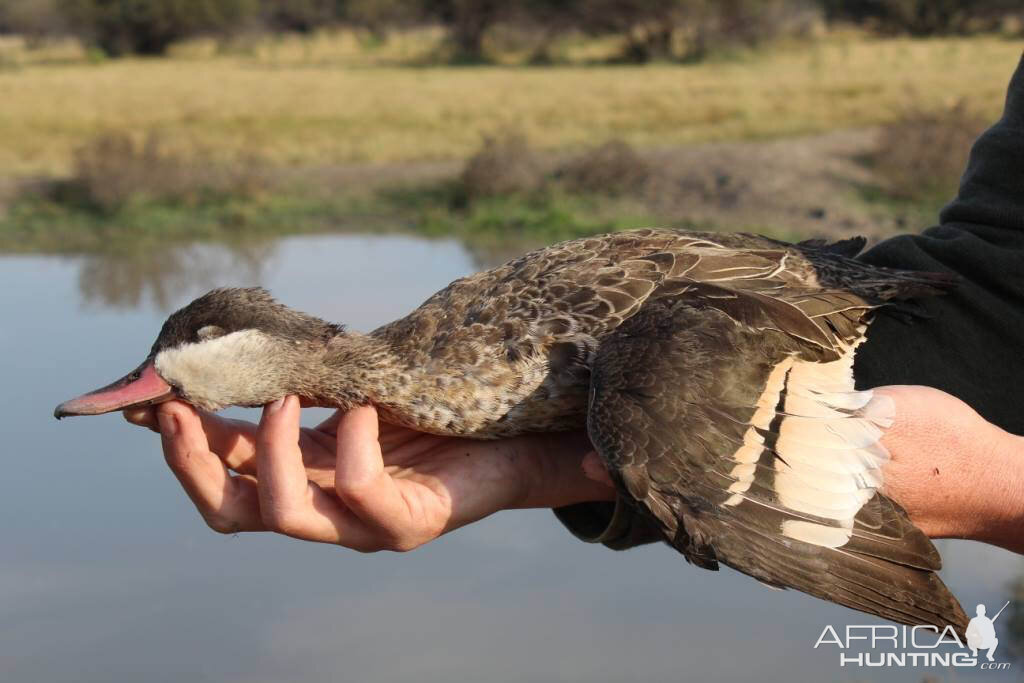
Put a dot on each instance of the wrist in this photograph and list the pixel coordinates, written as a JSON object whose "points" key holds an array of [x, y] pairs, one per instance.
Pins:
{"points": [[552, 475], [999, 501]]}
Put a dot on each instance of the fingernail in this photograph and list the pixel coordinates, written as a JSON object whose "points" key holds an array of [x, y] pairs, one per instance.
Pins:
{"points": [[168, 424], [276, 405]]}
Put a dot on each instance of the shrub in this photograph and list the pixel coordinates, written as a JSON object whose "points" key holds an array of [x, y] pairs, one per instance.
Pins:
{"points": [[504, 165], [689, 30], [114, 169], [922, 156], [613, 168]]}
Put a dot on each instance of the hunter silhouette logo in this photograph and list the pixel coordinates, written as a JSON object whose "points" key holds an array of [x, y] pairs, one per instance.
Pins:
{"points": [[981, 632], [914, 646]]}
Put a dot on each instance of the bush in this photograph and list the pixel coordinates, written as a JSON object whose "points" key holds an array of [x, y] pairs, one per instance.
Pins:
{"points": [[114, 169], [922, 156], [924, 17], [379, 15], [150, 26], [504, 165], [688, 30], [613, 168]]}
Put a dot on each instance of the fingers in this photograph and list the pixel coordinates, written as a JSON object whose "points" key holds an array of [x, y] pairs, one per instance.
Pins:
{"points": [[233, 440], [289, 503], [364, 486], [227, 504], [368, 513], [142, 417]]}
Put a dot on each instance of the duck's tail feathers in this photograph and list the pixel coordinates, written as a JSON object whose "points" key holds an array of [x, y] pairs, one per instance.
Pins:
{"points": [[837, 267]]}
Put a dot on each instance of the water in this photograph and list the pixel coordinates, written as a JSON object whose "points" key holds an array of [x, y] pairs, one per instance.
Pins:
{"points": [[107, 573]]}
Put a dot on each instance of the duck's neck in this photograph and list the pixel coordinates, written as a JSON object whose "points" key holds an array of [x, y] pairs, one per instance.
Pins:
{"points": [[354, 369], [428, 394]]}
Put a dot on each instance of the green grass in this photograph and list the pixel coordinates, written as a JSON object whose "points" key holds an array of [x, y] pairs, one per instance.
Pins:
{"points": [[44, 225], [37, 224]]}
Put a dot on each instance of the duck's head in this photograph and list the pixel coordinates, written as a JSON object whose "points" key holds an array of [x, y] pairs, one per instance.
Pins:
{"points": [[228, 347]]}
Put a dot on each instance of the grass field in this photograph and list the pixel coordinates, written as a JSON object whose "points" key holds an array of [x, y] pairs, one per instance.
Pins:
{"points": [[330, 132], [313, 106]]}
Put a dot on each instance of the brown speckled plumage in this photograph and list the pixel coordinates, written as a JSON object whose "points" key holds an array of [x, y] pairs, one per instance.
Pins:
{"points": [[713, 372]]}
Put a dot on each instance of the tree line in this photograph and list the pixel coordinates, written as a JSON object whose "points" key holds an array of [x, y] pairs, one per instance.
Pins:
{"points": [[651, 29]]}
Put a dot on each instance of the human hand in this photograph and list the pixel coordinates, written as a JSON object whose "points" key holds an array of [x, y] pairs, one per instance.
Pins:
{"points": [[956, 474], [356, 481]]}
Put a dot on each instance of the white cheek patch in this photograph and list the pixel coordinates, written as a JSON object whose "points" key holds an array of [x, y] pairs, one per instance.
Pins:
{"points": [[827, 437], [219, 372]]}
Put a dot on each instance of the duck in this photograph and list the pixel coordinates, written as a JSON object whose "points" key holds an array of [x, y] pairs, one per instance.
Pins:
{"points": [[713, 373]]}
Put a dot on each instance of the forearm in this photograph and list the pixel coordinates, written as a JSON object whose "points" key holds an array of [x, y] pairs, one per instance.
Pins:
{"points": [[552, 472], [1002, 512]]}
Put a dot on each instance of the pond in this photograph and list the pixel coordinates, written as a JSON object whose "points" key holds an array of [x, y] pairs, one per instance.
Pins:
{"points": [[108, 574]]}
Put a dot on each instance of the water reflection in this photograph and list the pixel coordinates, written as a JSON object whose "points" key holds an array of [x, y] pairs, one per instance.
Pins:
{"points": [[158, 274]]}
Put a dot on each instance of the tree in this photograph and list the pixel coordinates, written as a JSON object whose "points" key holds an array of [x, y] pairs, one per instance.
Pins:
{"points": [[380, 15], [303, 16], [468, 22], [150, 26], [32, 18]]}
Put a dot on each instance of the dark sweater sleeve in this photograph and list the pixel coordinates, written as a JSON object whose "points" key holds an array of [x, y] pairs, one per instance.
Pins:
{"points": [[969, 343]]}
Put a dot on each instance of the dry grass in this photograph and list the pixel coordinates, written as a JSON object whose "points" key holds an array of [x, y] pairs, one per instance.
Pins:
{"points": [[315, 108]]}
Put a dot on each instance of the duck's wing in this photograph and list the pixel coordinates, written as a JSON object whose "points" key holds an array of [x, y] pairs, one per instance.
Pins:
{"points": [[722, 419]]}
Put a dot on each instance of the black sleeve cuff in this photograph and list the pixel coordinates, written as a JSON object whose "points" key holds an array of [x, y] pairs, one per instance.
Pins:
{"points": [[615, 525]]}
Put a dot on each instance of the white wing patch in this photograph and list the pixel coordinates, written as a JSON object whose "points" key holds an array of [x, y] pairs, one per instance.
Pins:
{"points": [[827, 443], [753, 443]]}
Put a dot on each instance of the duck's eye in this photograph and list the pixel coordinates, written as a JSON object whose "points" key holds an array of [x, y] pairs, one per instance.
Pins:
{"points": [[209, 332]]}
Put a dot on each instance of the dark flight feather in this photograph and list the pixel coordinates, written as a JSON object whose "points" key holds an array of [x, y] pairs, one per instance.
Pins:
{"points": [[674, 451]]}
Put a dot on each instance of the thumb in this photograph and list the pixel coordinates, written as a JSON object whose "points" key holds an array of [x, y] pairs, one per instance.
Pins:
{"points": [[594, 468]]}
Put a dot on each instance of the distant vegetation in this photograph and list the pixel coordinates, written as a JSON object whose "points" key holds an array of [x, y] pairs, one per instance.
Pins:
{"points": [[294, 103], [266, 118], [921, 156], [682, 30]]}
